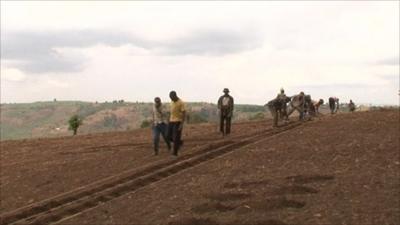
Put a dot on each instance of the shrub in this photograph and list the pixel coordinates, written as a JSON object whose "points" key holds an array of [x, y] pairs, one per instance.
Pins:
{"points": [[74, 123]]}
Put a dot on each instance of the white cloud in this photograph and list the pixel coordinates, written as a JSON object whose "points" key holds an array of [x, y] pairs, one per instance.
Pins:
{"points": [[12, 74], [57, 83], [347, 49]]}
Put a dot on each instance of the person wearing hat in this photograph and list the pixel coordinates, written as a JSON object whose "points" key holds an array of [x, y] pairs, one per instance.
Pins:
{"points": [[225, 107], [159, 125], [281, 94], [176, 120], [281, 97], [277, 107]]}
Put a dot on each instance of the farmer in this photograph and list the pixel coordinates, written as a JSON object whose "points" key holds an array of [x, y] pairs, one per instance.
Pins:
{"points": [[333, 104], [225, 107], [352, 106], [277, 108], [274, 107], [159, 125], [177, 118], [309, 109], [317, 105], [297, 103], [283, 99]]}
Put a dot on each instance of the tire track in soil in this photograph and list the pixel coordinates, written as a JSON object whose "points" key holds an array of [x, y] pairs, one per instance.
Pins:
{"points": [[68, 204], [114, 148]]}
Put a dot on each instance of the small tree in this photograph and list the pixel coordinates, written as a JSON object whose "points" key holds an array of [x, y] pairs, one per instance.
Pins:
{"points": [[74, 122]]}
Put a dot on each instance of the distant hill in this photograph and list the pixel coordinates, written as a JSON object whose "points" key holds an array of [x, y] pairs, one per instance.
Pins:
{"points": [[50, 119]]}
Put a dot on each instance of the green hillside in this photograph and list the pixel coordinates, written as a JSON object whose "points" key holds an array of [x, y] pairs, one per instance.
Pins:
{"points": [[50, 119]]}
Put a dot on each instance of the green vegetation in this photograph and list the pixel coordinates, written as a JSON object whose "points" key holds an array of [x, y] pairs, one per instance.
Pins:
{"points": [[28, 120], [249, 108], [257, 116], [74, 123], [48, 119]]}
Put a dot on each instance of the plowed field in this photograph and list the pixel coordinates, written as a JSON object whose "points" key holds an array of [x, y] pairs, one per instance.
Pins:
{"points": [[340, 169]]}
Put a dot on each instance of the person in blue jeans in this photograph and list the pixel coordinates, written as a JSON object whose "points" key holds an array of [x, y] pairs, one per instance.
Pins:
{"points": [[159, 125]]}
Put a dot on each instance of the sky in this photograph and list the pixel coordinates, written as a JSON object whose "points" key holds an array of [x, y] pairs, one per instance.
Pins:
{"points": [[135, 51]]}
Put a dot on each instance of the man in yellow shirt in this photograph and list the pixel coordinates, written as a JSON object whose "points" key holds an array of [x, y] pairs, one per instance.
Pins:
{"points": [[176, 120]]}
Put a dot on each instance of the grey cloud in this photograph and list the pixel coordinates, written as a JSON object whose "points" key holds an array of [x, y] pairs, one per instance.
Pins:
{"points": [[213, 42], [28, 44], [53, 62], [35, 51]]}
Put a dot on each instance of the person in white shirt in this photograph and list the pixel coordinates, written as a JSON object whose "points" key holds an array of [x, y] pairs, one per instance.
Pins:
{"points": [[159, 125]]}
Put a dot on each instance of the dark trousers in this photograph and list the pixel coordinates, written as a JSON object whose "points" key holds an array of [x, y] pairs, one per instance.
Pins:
{"points": [[332, 106], [175, 135], [275, 114], [225, 124], [283, 113], [160, 129]]}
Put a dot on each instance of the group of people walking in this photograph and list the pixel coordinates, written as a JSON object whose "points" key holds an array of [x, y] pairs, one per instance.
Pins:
{"points": [[170, 129]]}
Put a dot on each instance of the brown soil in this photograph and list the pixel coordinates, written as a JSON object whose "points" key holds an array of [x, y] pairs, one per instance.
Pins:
{"points": [[340, 169]]}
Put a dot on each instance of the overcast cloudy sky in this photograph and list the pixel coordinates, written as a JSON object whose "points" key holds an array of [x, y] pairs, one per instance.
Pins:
{"points": [[101, 51]]}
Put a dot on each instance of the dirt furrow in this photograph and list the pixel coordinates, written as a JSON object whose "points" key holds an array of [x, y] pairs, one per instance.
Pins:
{"points": [[65, 205]]}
